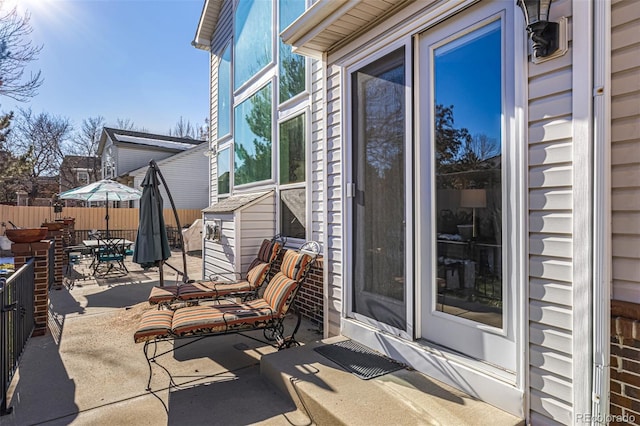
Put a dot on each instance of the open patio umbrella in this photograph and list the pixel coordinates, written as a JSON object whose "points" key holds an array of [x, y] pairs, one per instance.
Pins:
{"points": [[102, 190], [152, 244]]}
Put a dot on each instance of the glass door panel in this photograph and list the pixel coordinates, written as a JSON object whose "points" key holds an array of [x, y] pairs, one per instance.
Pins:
{"points": [[467, 75], [379, 272], [466, 109]]}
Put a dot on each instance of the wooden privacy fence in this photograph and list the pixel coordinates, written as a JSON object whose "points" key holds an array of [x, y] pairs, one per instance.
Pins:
{"points": [[89, 217]]}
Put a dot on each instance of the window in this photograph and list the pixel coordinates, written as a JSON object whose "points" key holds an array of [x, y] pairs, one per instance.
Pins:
{"points": [[292, 67], [293, 203], [255, 81], [252, 137], [82, 177], [224, 93], [224, 171], [292, 143], [253, 39]]}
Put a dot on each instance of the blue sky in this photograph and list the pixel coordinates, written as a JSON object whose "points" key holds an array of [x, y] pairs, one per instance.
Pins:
{"points": [[127, 59]]}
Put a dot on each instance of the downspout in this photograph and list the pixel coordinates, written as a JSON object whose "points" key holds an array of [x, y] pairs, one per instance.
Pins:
{"points": [[602, 211]]}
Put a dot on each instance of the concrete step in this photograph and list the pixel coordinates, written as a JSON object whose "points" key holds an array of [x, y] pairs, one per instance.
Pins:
{"points": [[332, 396]]}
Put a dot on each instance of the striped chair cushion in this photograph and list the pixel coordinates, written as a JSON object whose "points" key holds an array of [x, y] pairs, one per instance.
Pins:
{"points": [[163, 294], [278, 292], [265, 251], [154, 324], [257, 275], [294, 264], [220, 318]]}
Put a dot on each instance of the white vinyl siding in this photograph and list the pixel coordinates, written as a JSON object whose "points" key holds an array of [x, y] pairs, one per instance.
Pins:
{"points": [[316, 181], [334, 202], [551, 241], [242, 234], [220, 256], [221, 38], [625, 149], [188, 189], [129, 158]]}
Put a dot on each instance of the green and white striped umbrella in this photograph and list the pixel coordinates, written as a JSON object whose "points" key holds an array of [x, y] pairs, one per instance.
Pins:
{"points": [[102, 190]]}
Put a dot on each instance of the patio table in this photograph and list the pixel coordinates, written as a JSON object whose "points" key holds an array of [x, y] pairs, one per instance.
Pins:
{"points": [[94, 245]]}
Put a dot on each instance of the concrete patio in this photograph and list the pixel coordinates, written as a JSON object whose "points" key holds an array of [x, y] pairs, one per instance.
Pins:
{"points": [[87, 370]]}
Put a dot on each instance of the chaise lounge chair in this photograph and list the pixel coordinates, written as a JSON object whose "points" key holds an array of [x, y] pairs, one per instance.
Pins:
{"points": [[247, 288], [201, 321]]}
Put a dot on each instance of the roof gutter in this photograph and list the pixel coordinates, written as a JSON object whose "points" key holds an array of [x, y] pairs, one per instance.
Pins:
{"points": [[312, 22]]}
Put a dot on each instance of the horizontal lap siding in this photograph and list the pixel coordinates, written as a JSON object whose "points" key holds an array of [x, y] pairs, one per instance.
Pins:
{"points": [[317, 152], [221, 37], [333, 250], [550, 177], [220, 256], [257, 223], [625, 149]]}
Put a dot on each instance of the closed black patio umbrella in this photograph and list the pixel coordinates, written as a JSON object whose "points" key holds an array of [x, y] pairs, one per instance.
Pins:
{"points": [[152, 244]]}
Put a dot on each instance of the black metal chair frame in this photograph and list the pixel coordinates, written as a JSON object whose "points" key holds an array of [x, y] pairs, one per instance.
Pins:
{"points": [[273, 329], [110, 252], [244, 295]]}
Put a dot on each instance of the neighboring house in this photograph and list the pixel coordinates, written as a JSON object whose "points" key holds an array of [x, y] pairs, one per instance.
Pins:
{"points": [[122, 151], [77, 171], [47, 188], [187, 175], [477, 206]]}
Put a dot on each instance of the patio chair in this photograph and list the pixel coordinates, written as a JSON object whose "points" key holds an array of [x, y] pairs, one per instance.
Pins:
{"points": [[201, 321], [246, 287], [110, 255]]}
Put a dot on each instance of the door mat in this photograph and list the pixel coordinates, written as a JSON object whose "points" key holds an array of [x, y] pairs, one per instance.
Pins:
{"points": [[359, 360]]}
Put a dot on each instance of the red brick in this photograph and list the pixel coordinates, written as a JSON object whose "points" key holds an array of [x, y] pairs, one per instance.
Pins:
{"points": [[632, 392], [625, 402], [631, 366], [625, 377]]}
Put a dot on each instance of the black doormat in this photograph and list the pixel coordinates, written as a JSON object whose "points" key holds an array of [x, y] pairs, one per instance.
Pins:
{"points": [[359, 360]]}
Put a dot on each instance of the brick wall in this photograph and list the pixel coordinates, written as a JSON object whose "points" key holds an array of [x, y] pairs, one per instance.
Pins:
{"points": [[625, 363], [40, 251]]}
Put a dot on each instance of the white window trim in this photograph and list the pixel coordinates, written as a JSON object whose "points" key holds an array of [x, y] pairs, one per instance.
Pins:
{"points": [[307, 174]]}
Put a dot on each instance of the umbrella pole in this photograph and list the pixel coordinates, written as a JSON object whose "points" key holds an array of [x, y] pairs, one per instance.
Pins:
{"points": [[107, 216], [185, 277], [161, 272]]}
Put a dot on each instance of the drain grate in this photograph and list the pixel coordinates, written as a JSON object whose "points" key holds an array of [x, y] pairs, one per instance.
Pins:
{"points": [[359, 360]]}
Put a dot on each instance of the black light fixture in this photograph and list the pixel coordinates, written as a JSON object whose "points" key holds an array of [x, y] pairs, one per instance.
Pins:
{"points": [[544, 34]]}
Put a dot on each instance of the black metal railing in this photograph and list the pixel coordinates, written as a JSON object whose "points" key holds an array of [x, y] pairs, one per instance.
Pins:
{"points": [[16, 324], [51, 262]]}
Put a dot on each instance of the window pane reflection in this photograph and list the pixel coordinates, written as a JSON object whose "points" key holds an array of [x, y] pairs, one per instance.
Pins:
{"points": [[468, 108], [224, 171], [293, 213], [292, 142], [224, 93], [292, 66], [252, 136], [253, 39]]}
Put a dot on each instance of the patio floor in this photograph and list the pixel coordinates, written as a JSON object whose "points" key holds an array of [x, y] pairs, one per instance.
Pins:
{"points": [[88, 371]]}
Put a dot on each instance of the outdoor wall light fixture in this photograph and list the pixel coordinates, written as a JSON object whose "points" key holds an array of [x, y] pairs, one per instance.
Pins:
{"points": [[544, 35]]}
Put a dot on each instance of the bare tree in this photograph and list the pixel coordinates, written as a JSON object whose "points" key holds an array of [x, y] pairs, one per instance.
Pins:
{"points": [[15, 168], [16, 52], [45, 137], [183, 129], [86, 140], [84, 143], [125, 124]]}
